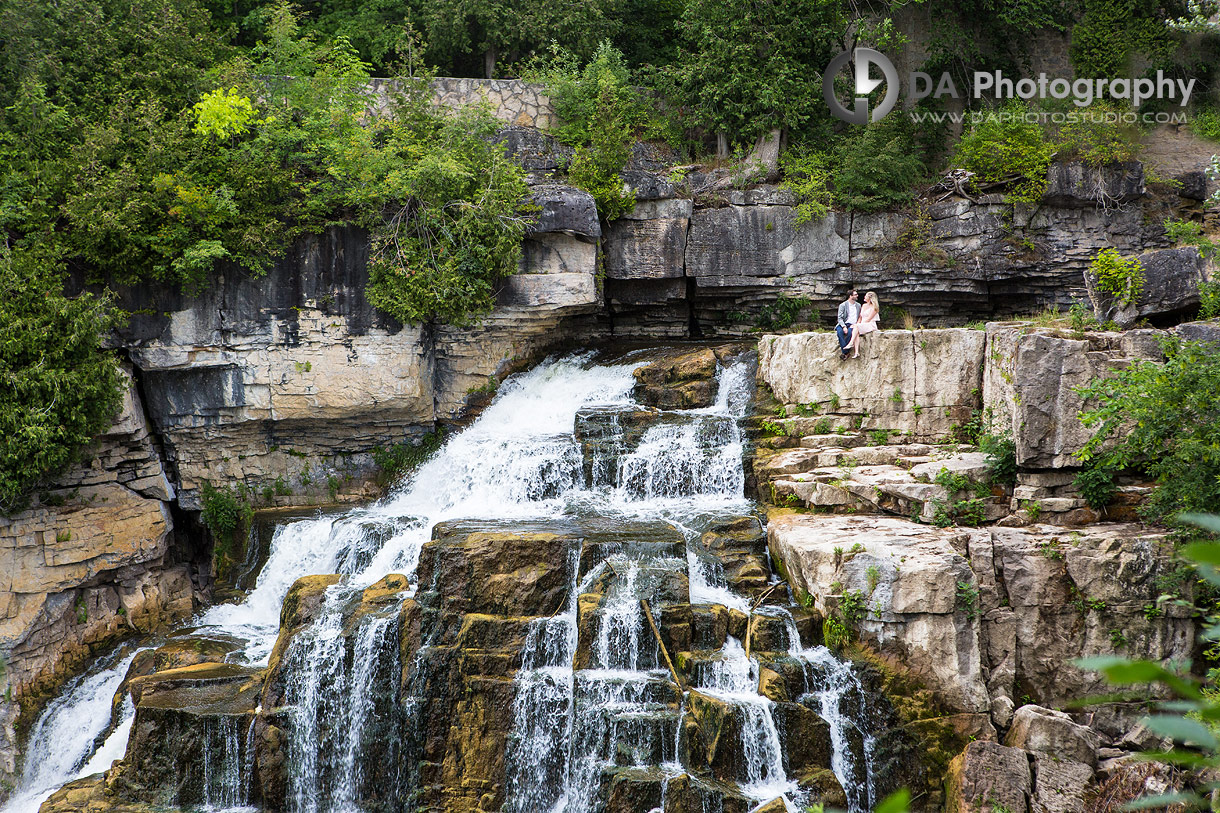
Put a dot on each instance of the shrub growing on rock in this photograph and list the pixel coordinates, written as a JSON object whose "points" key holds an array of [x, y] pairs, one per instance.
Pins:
{"points": [[1006, 147], [1119, 276], [1162, 419]]}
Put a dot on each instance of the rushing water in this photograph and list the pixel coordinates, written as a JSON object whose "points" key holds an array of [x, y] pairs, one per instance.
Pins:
{"points": [[61, 742], [521, 459]]}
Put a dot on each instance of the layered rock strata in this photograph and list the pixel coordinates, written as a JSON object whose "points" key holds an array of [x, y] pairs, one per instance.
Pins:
{"points": [[971, 581], [93, 559]]}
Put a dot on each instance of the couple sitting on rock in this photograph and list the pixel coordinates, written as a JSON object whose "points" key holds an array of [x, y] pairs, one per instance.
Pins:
{"points": [[855, 321]]}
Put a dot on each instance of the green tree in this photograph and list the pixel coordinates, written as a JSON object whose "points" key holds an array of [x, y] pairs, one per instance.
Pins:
{"points": [[749, 67], [1005, 146], [878, 167], [57, 387]]}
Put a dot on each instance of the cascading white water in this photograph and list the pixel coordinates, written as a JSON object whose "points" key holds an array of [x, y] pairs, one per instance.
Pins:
{"points": [[61, 741], [226, 786], [521, 460], [335, 696]]}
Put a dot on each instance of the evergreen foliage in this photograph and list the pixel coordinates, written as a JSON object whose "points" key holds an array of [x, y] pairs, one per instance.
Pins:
{"points": [[1008, 147], [57, 387]]}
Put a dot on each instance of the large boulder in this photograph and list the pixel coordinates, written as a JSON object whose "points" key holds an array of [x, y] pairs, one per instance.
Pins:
{"points": [[922, 382], [566, 209], [1053, 733], [682, 381], [1060, 785], [1063, 595]]}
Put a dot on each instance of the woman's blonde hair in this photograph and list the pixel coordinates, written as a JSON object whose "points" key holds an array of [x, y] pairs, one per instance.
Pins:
{"points": [[872, 297]]}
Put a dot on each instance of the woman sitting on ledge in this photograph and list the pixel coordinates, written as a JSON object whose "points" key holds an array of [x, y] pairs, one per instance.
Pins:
{"points": [[870, 314]]}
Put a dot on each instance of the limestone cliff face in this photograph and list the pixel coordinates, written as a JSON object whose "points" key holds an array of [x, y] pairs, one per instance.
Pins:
{"points": [[982, 588], [286, 383], [721, 256], [92, 560]]}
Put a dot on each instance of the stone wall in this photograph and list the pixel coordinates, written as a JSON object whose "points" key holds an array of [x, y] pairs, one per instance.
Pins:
{"points": [[512, 101]]}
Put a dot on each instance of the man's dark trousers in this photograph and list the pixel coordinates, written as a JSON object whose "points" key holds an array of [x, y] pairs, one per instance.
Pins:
{"points": [[841, 332]]}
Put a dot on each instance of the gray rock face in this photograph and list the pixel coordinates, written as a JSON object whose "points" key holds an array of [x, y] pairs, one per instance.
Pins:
{"points": [[649, 242], [1194, 185], [1035, 601], [988, 778], [738, 245], [294, 377], [533, 149], [1031, 379], [918, 382], [954, 261], [1171, 287], [1078, 184], [1052, 733], [565, 209], [1199, 331]]}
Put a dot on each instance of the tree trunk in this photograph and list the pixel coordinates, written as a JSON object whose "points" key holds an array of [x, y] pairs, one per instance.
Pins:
{"points": [[489, 62], [722, 145]]}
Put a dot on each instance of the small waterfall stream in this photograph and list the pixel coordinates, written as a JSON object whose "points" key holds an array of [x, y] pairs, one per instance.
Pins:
{"points": [[593, 691], [63, 739]]}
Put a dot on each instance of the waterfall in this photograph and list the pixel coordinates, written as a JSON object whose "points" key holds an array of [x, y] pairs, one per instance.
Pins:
{"points": [[337, 695], [594, 694], [228, 763], [61, 742]]}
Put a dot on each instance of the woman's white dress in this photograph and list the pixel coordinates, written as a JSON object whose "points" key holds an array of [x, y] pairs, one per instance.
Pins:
{"points": [[869, 326]]}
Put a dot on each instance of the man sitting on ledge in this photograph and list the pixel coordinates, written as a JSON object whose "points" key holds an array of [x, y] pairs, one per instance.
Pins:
{"points": [[849, 312]]}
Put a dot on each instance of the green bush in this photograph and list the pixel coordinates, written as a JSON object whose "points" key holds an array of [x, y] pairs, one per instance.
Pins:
{"points": [[395, 461], [1111, 32], [227, 514], [747, 68], [1004, 147], [458, 228], [1001, 456], [1096, 136], [1096, 485], [198, 156], [58, 388], [1190, 233], [599, 113], [1123, 278], [1162, 419], [1209, 299], [783, 312], [1205, 123], [807, 175], [580, 94], [879, 168]]}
